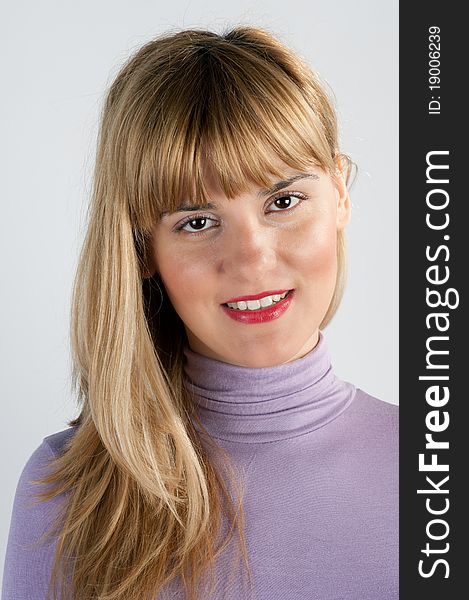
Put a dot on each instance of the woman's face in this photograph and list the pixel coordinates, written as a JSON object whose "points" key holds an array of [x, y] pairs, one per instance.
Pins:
{"points": [[261, 241]]}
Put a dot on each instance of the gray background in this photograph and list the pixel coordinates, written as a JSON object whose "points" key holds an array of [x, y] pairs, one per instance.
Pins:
{"points": [[56, 60]]}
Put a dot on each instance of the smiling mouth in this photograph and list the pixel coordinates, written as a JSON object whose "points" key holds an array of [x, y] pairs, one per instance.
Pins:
{"points": [[258, 304]]}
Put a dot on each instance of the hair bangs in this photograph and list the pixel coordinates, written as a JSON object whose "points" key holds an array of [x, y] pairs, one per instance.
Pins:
{"points": [[246, 120]]}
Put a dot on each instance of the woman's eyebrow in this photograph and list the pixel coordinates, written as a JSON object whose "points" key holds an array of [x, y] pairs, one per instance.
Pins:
{"points": [[280, 185], [285, 183]]}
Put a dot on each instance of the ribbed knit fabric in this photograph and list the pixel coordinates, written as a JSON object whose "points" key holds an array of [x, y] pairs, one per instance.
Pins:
{"points": [[319, 462], [267, 404]]}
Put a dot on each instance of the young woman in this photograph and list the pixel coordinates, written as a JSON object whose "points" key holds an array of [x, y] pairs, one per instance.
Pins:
{"points": [[212, 427]]}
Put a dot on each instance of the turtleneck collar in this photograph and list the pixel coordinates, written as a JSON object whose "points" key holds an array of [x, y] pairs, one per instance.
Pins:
{"points": [[265, 404]]}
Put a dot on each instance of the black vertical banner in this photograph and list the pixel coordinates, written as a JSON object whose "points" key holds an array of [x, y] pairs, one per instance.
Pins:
{"points": [[434, 341]]}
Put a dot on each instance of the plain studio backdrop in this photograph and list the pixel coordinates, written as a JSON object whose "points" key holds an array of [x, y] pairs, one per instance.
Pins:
{"points": [[58, 57]]}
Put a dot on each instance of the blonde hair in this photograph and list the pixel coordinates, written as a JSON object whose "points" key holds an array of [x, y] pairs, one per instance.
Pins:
{"points": [[144, 503]]}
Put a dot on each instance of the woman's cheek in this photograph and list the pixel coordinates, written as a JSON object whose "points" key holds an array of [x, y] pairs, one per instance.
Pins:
{"points": [[315, 248], [185, 279], [325, 254]]}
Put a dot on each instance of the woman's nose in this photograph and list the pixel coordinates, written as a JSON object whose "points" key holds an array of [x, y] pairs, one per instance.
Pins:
{"points": [[250, 251]]}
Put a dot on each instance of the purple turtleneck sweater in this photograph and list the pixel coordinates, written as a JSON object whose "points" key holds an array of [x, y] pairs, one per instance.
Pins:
{"points": [[319, 459]]}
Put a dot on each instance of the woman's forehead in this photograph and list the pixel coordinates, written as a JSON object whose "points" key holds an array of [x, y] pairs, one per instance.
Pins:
{"points": [[282, 173]]}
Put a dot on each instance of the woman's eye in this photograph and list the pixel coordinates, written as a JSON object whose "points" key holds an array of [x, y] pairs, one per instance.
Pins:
{"points": [[196, 224], [194, 221], [281, 200]]}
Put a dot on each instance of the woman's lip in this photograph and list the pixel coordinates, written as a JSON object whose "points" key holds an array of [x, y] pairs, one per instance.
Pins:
{"points": [[262, 315], [257, 296]]}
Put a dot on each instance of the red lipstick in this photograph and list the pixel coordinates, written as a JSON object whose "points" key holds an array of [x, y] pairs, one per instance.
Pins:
{"points": [[262, 315]]}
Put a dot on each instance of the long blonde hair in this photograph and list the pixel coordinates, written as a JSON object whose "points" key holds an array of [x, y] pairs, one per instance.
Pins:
{"points": [[144, 503]]}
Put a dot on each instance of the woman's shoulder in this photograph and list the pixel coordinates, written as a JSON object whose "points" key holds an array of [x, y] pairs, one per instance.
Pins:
{"points": [[50, 448], [372, 416], [27, 558], [34, 469], [377, 406], [375, 415], [56, 442]]}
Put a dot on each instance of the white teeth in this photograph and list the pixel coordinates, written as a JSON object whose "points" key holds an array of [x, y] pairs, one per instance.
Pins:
{"points": [[257, 304], [267, 301], [253, 304]]}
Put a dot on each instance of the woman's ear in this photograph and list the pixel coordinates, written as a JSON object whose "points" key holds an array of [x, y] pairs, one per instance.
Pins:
{"points": [[344, 210]]}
